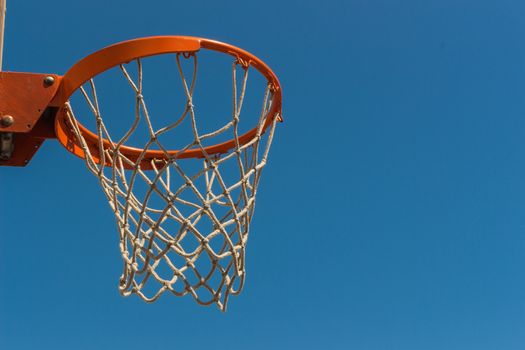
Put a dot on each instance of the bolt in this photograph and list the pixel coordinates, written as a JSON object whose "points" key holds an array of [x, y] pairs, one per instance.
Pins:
{"points": [[49, 80], [7, 120]]}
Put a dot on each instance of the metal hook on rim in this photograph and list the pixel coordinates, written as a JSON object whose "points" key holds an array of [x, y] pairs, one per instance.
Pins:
{"points": [[187, 54]]}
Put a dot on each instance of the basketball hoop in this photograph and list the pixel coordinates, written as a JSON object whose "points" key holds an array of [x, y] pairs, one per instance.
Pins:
{"points": [[183, 214]]}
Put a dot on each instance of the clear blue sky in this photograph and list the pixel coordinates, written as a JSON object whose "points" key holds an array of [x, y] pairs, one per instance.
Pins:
{"points": [[390, 216]]}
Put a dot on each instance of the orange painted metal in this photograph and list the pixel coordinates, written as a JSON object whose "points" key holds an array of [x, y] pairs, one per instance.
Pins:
{"points": [[116, 54], [124, 52], [25, 97]]}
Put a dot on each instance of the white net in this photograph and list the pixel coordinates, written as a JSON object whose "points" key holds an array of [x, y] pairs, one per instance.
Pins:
{"points": [[183, 225]]}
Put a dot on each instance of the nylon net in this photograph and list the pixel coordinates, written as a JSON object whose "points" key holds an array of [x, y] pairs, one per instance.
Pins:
{"points": [[183, 225]]}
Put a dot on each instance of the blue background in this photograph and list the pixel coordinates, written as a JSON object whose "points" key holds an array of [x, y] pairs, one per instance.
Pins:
{"points": [[390, 216]]}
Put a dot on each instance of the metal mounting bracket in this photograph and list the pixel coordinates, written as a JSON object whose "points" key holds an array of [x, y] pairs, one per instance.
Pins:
{"points": [[26, 118]]}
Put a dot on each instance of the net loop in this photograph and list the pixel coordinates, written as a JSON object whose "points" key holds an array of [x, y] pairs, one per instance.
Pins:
{"points": [[245, 64]]}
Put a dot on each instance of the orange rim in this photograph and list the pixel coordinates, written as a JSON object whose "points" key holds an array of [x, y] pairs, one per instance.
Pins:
{"points": [[126, 51]]}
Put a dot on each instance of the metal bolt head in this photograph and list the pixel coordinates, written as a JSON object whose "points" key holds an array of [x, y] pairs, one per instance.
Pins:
{"points": [[49, 80], [7, 120]]}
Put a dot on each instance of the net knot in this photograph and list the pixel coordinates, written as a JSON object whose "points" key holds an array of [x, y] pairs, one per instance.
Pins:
{"points": [[245, 64]]}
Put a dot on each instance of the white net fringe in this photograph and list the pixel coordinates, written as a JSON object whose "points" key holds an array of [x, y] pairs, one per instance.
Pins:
{"points": [[194, 242]]}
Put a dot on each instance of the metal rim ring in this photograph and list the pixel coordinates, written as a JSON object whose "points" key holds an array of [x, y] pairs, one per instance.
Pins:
{"points": [[126, 51]]}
